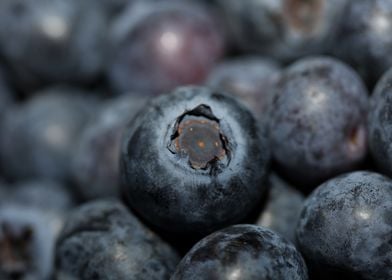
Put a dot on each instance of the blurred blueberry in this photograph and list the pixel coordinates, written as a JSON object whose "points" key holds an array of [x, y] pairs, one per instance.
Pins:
{"points": [[283, 208], [103, 240], [249, 78], [95, 165], [31, 217], [39, 136], [285, 29], [365, 37], [48, 41], [161, 45]]}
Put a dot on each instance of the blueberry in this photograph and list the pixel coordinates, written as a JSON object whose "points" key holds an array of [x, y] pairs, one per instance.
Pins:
{"points": [[52, 41], [242, 252], [161, 45], [250, 78], [39, 136], [284, 29], [194, 160], [283, 208], [346, 227], [365, 37], [103, 240], [318, 120], [31, 217], [95, 166], [380, 114]]}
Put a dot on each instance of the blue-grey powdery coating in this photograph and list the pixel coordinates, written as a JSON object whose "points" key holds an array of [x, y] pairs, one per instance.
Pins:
{"points": [[380, 120], [96, 160], [52, 41], [249, 78], [5, 93], [318, 120], [364, 39], [346, 227], [103, 240], [39, 136], [284, 29], [164, 187], [245, 252]]}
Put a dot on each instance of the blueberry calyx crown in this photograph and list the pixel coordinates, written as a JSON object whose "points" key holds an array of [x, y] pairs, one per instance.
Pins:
{"points": [[197, 135]]}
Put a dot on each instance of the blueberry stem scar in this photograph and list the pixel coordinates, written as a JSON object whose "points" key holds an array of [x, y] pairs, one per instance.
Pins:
{"points": [[197, 135]]}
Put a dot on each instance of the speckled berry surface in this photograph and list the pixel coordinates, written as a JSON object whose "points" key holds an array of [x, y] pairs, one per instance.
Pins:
{"points": [[346, 227], [163, 184], [242, 252]]}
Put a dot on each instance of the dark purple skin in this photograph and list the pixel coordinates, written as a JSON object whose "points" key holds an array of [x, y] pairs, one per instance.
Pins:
{"points": [[52, 41], [282, 209], [345, 228], [318, 121], [380, 132], [103, 240], [39, 136], [31, 217], [95, 165], [286, 29], [245, 252], [159, 46], [365, 37], [249, 78], [183, 177]]}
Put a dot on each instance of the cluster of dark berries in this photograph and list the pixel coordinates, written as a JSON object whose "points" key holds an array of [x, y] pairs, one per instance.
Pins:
{"points": [[195, 140]]}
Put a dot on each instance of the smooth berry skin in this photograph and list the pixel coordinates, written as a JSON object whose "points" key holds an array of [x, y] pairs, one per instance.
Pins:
{"points": [[163, 44], [42, 133], [167, 189], [286, 29], [364, 39], [31, 216], [242, 252], [52, 41], [249, 78], [282, 208], [318, 121], [380, 133], [346, 225], [103, 240], [95, 165]]}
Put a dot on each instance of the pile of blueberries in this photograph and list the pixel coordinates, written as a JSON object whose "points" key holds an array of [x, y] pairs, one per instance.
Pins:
{"points": [[191, 139]]}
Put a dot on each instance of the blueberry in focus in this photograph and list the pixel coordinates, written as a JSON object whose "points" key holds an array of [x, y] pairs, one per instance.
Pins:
{"points": [[39, 136], [346, 227], [286, 29], [52, 41], [95, 164], [242, 252], [364, 39], [31, 217], [282, 209], [380, 132], [318, 120], [103, 240], [250, 78], [163, 44], [194, 161]]}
